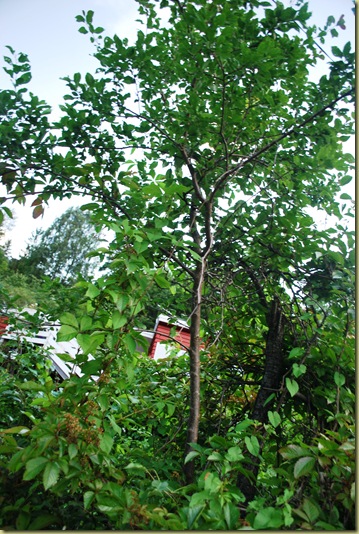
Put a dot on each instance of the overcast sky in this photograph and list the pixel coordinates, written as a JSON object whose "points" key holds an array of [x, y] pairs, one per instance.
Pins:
{"points": [[47, 31]]}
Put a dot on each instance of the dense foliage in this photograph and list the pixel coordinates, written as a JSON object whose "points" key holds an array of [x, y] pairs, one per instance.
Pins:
{"points": [[235, 151]]}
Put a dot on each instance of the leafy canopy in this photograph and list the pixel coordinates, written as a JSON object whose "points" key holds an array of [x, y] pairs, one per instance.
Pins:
{"points": [[203, 147]]}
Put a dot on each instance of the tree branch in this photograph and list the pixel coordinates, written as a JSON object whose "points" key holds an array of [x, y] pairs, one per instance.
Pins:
{"points": [[221, 181]]}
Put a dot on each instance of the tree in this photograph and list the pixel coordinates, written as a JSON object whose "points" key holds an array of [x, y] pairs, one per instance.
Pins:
{"points": [[233, 143], [62, 250], [16, 289], [53, 260]]}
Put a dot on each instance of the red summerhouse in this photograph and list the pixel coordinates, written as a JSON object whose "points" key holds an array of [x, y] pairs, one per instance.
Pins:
{"points": [[3, 324], [168, 330]]}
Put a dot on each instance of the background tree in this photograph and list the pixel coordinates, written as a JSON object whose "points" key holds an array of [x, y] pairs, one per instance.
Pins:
{"points": [[233, 144], [16, 289], [41, 278], [62, 250]]}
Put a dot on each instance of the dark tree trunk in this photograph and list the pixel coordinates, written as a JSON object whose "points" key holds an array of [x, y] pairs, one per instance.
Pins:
{"points": [[270, 382], [273, 362]]}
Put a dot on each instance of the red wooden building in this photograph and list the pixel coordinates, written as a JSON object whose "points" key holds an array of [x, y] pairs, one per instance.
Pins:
{"points": [[167, 332], [3, 324]]}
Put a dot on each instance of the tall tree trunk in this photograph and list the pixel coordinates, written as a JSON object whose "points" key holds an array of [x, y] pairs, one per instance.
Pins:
{"points": [[197, 292], [271, 381], [194, 354]]}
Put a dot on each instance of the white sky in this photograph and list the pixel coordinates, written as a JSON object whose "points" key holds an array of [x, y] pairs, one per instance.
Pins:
{"points": [[47, 31]]}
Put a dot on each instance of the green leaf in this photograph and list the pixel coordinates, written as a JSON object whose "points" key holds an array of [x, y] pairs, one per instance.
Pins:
{"points": [[215, 457], [121, 301], [252, 445], [162, 282], [85, 342], [345, 180], [115, 426], [274, 418], [323, 525], [336, 256], [304, 466], [160, 486], [299, 370], [215, 441], [300, 513], [190, 456], [92, 367], [92, 291], [34, 467], [90, 342], [16, 429], [73, 450], [134, 466], [234, 454], [51, 474], [199, 498], [339, 379], [88, 499], [212, 482], [152, 190], [292, 386], [152, 235], [69, 319], [43, 521], [194, 513], [140, 245], [173, 289], [352, 492], [243, 425], [170, 408], [89, 79], [106, 443], [85, 323], [296, 352], [66, 333], [89, 16], [118, 319], [312, 511], [130, 343], [197, 447], [23, 79], [269, 399], [268, 519], [108, 504], [104, 402], [231, 515], [347, 446], [30, 385], [22, 520], [77, 78], [16, 462], [293, 451], [336, 51]]}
